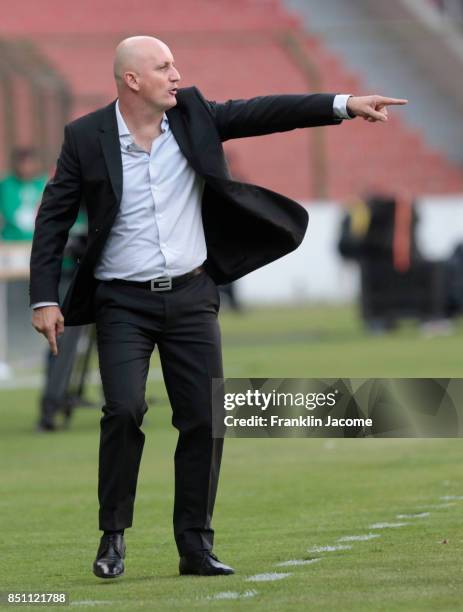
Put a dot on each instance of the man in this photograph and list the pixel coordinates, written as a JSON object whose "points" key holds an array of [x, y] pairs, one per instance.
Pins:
{"points": [[166, 224]]}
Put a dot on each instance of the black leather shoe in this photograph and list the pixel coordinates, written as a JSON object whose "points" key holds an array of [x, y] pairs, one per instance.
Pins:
{"points": [[203, 563], [109, 562]]}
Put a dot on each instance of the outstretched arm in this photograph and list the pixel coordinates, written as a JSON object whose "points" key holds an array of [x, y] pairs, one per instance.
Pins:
{"points": [[280, 113], [268, 114]]}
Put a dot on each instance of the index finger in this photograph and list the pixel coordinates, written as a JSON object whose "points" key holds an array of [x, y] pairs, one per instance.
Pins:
{"points": [[383, 100], [51, 337]]}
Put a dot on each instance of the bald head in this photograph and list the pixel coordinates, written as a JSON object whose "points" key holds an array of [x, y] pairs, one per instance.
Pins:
{"points": [[145, 73], [133, 53]]}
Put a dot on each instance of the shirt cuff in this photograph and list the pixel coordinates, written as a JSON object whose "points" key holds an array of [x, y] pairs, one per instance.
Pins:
{"points": [[340, 106], [40, 304]]}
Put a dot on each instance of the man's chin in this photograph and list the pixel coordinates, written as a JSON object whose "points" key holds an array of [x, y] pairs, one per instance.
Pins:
{"points": [[165, 105], [173, 100], [170, 104]]}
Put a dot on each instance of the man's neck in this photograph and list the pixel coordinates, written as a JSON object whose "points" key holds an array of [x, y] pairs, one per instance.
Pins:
{"points": [[141, 118]]}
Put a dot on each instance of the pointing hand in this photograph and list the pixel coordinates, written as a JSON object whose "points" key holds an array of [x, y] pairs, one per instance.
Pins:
{"points": [[372, 108]]}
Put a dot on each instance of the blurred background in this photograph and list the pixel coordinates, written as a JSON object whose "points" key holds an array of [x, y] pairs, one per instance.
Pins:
{"points": [[376, 287], [375, 290]]}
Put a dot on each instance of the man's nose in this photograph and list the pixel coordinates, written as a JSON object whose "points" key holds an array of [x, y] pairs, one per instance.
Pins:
{"points": [[175, 76]]}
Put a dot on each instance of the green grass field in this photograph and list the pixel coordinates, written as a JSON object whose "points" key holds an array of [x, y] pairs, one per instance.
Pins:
{"points": [[277, 497]]}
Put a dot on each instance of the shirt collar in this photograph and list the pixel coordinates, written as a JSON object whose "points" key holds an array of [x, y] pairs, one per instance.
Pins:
{"points": [[122, 126]]}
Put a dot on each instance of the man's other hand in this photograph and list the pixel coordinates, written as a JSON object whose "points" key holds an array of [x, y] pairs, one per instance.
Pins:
{"points": [[372, 108], [49, 321]]}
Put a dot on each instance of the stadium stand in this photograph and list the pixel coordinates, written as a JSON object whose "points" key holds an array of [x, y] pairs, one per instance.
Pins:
{"points": [[240, 48]]}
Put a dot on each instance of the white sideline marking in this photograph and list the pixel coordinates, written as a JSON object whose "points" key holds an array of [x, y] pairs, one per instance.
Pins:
{"points": [[415, 515], [387, 525], [359, 538], [268, 576], [451, 497], [297, 562], [317, 549], [447, 505], [233, 595]]}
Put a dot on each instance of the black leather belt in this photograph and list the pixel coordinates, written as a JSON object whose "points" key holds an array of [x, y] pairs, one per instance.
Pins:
{"points": [[162, 283]]}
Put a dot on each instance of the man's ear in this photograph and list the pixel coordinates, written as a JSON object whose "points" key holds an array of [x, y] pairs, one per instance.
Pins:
{"points": [[132, 80]]}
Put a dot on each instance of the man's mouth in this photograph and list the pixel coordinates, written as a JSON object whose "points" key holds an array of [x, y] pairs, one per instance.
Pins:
{"points": [[173, 92]]}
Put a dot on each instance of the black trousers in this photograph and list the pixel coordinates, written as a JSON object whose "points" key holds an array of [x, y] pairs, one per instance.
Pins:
{"points": [[183, 324]]}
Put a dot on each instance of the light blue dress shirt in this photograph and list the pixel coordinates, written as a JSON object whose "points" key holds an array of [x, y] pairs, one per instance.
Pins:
{"points": [[158, 230]]}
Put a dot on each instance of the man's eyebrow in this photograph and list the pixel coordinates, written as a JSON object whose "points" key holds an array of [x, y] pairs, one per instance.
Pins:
{"points": [[166, 63]]}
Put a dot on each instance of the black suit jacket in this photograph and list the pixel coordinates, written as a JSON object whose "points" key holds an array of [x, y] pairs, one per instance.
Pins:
{"points": [[245, 226]]}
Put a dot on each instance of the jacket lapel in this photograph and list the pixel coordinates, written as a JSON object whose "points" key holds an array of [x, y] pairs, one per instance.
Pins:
{"points": [[109, 137], [182, 135]]}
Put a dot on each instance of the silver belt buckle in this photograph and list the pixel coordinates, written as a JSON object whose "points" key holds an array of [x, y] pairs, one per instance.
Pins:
{"points": [[163, 283]]}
